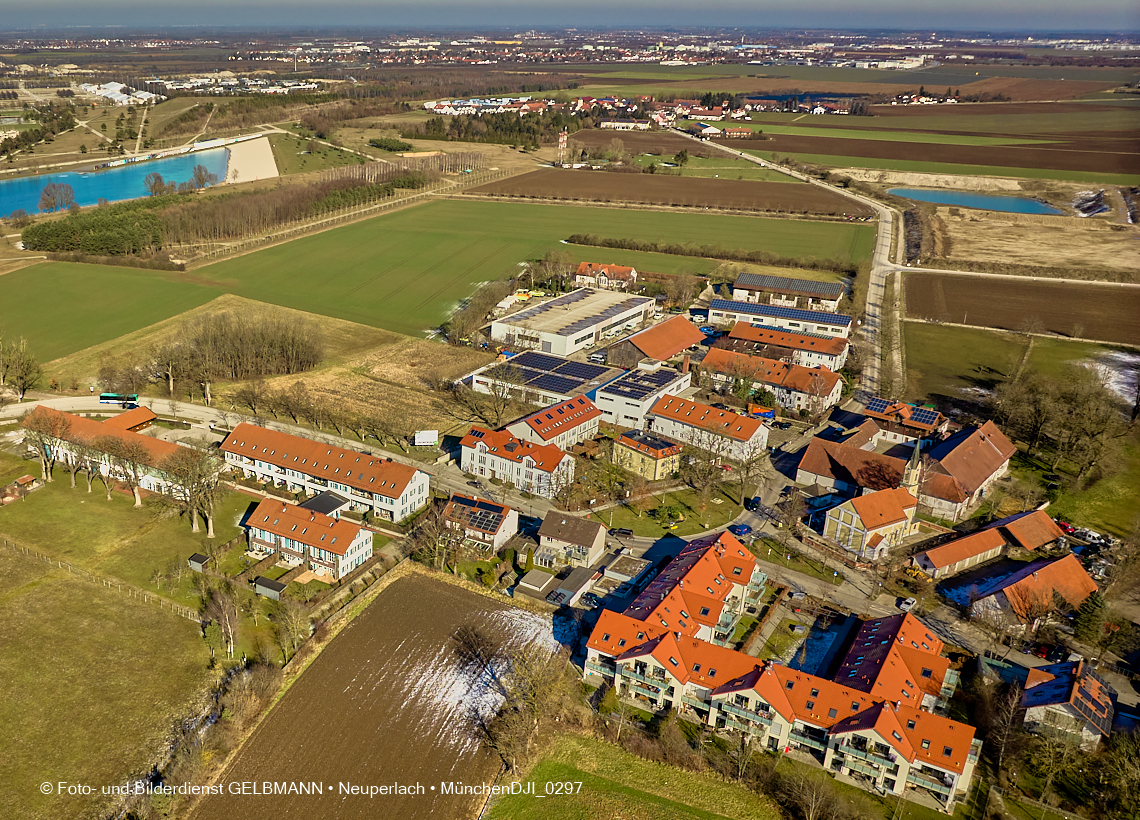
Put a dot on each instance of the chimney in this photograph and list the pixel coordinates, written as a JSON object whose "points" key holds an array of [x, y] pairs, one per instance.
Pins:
{"points": [[685, 364]]}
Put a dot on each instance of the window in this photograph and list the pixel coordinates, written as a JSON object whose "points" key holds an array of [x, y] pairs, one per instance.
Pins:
{"points": [[790, 685], [684, 614], [926, 744], [621, 642], [704, 610], [736, 570], [910, 724], [927, 673], [854, 706], [712, 673], [815, 693], [673, 661], [947, 751], [832, 713], [696, 667], [896, 735], [606, 638], [810, 705]]}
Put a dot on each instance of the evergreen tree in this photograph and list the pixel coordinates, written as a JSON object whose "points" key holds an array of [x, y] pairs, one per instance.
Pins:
{"points": [[1090, 618]]}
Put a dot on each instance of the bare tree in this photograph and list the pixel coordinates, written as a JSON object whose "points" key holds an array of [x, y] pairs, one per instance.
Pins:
{"points": [[22, 370], [222, 609], [1005, 723], [193, 483], [1053, 754], [44, 430], [703, 470], [129, 458], [291, 625]]}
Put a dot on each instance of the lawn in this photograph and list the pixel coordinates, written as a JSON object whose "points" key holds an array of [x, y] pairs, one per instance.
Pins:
{"points": [[982, 359], [1108, 505], [113, 537], [292, 155], [91, 681], [726, 168], [616, 784], [921, 167], [781, 640], [717, 515], [787, 557]]}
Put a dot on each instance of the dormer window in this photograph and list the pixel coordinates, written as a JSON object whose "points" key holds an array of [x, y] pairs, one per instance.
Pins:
{"points": [[926, 744], [673, 661], [696, 667]]}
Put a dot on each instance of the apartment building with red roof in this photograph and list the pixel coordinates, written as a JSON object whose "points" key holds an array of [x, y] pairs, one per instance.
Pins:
{"points": [[795, 387], [803, 349], [723, 432], [1071, 698], [605, 277], [330, 546], [534, 468], [368, 483], [563, 424]]}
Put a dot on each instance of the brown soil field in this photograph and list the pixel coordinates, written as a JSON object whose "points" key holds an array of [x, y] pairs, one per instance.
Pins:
{"points": [[640, 142], [1010, 156], [383, 704], [989, 109], [1101, 312], [1049, 241], [654, 189]]}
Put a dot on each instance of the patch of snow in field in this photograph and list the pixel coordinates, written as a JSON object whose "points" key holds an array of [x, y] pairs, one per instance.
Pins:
{"points": [[1121, 368], [449, 697]]}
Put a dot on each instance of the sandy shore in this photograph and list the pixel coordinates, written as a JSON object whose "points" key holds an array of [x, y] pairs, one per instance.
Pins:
{"points": [[251, 160]]}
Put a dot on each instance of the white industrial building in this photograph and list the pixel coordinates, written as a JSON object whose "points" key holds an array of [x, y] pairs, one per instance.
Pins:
{"points": [[626, 401], [726, 311], [573, 321]]}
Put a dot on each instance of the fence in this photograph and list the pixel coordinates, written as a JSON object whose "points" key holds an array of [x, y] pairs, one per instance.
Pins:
{"points": [[110, 583]]}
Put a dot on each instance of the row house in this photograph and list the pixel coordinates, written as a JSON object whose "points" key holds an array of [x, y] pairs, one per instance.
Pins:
{"points": [[804, 349], [484, 524], [722, 432], [539, 469], [795, 388], [380, 486], [332, 547], [564, 424]]}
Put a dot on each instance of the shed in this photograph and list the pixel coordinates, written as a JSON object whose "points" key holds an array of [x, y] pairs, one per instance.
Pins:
{"points": [[536, 581], [268, 588], [198, 561]]}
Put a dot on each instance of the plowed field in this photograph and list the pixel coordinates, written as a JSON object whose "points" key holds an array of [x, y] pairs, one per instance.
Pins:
{"points": [[654, 189], [1102, 312], [640, 142], [383, 704]]}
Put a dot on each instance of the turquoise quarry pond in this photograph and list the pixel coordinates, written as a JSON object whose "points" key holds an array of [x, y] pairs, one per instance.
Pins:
{"points": [[988, 202], [111, 184]]}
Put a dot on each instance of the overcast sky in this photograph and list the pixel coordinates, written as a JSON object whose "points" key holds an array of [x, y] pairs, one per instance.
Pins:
{"points": [[1021, 15]]}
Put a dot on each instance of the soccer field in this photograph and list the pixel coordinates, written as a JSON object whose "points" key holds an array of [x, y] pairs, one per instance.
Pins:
{"points": [[404, 271]]}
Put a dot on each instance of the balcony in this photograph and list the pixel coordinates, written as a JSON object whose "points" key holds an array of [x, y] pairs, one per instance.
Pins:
{"points": [[694, 702], [975, 751], [861, 767], [750, 728], [949, 684], [627, 672], [870, 756], [927, 782], [648, 691], [807, 740], [732, 709], [600, 669]]}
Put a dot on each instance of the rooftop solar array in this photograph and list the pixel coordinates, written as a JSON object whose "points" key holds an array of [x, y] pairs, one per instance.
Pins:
{"points": [[640, 383], [610, 312], [552, 374], [919, 415], [563, 301], [482, 515], [571, 301], [729, 306], [783, 284]]}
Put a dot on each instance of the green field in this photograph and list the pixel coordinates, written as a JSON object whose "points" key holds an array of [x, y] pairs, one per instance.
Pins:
{"points": [[403, 271], [91, 681], [725, 168], [292, 155], [616, 784], [918, 167]]}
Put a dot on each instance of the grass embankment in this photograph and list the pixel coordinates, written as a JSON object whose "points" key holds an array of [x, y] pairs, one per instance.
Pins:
{"points": [[298, 155], [615, 783]]}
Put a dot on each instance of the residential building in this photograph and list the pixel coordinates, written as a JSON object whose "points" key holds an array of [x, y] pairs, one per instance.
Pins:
{"points": [[1069, 698], [726, 312], [722, 432], [806, 294], [573, 321], [486, 525], [380, 486], [538, 378], [662, 342], [568, 539], [563, 424], [605, 277], [651, 457], [904, 423], [814, 389], [540, 469], [1030, 593], [804, 349], [1027, 530], [973, 458], [871, 525], [626, 401], [330, 547], [135, 421], [77, 433]]}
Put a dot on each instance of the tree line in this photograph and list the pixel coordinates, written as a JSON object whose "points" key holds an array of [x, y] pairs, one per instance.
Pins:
{"points": [[53, 118], [506, 128]]}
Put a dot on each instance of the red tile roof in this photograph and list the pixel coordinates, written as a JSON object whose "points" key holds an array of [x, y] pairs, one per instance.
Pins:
{"points": [[592, 269], [90, 430], [360, 470], [131, 419], [888, 656], [665, 340], [816, 381], [1040, 580], [691, 660], [1029, 529], [903, 414], [561, 417], [962, 548], [781, 338], [973, 455], [695, 414], [311, 528], [546, 457], [883, 507], [1073, 683], [852, 465]]}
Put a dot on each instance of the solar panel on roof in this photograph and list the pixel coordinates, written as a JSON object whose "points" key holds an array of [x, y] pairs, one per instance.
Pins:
{"points": [[580, 371], [554, 384], [729, 306], [540, 361], [925, 416], [877, 405]]}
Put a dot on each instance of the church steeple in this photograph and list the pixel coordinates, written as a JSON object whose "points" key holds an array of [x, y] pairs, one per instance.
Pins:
{"points": [[912, 475]]}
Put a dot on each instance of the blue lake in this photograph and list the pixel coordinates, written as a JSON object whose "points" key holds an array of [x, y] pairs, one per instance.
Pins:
{"points": [[987, 202], [111, 184]]}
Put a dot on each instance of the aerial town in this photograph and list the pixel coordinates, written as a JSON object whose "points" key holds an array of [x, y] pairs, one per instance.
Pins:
{"points": [[570, 423]]}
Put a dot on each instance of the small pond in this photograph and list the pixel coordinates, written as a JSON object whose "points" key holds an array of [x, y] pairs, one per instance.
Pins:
{"points": [[968, 199]]}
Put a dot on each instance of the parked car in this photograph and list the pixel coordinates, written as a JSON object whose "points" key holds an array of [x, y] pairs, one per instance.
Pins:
{"points": [[475, 484], [797, 596], [1065, 526], [590, 600], [1057, 654], [908, 604], [740, 530], [621, 532], [708, 330], [726, 467], [782, 425], [752, 504]]}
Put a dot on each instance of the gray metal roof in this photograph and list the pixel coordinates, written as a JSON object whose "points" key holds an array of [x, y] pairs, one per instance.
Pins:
{"points": [[784, 284]]}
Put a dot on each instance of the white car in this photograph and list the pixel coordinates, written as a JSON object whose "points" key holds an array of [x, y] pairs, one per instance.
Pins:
{"points": [[908, 604]]}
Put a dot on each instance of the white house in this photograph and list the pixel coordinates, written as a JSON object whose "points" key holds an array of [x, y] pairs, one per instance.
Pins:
{"points": [[626, 401], [484, 523], [538, 469], [726, 311], [564, 424], [330, 546], [723, 432]]}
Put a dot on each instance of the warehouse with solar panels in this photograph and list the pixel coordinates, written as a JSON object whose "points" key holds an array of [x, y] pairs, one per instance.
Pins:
{"points": [[626, 401], [543, 380], [573, 321], [726, 311]]}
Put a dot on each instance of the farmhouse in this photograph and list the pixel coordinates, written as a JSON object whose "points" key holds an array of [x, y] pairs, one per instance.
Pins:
{"points": [[1030, 593], [329, 546], [85, 440], [722, 432], [1069, 698], [563, 425], [626, 401], [538, 378], [649, 456], [871, 525], [795, 387], [380, 486], [873, 722], [804, 349], [486, 524], [539, 469], [573, 321], [659, 343], [973, 459], [726, 312], [605, 277], [806, 294], [568, 539]]}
